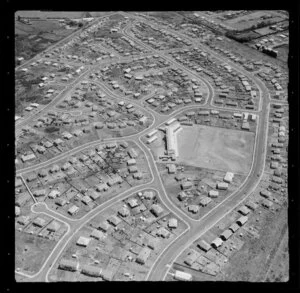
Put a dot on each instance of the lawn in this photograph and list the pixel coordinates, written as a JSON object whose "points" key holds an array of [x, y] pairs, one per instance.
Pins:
{"points": [[216, 148]]}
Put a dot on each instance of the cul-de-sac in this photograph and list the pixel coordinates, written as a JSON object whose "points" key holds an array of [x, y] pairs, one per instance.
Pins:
{"points": [[151, 146]]}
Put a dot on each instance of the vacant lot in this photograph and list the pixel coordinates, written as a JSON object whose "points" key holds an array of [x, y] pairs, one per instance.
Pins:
{"points": [[216, 148], [31, 252]]}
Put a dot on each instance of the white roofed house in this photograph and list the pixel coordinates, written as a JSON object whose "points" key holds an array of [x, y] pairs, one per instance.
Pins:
{"points": [[53, 193], [114, 220], [171, 168], [131, 162], [228, 177], [217, 242], [242, 220], [182, 196], [182, 276], [124, 212], [143, 255], [28, 157], [53, 226], [97, 234], [132, 202], [205, 201], [244, 210], [204, 245], [69, 265], [222, 186], [73, 210], [102, 187], [149, 194], [103, 226], [156, 209], [143, 120], [226, 234], [39, 222], [172, 223], [39, 192], [213, 193], [83, 241]]}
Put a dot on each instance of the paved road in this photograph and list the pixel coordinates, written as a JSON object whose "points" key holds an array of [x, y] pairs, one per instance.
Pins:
{"points": [[160, 268], [195, 227], [64, 40]]}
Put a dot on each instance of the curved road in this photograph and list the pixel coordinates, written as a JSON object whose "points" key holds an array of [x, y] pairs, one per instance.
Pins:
{"points": [[195, 228]]}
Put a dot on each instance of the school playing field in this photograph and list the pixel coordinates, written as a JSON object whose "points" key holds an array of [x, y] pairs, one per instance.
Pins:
{"points": [[216, 148]]}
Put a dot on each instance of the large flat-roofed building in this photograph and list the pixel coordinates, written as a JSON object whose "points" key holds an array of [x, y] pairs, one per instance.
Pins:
{"points": [[171, 137]]}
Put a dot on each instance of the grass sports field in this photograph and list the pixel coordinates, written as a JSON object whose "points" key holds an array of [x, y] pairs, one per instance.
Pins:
{"points": [[216, 148]]}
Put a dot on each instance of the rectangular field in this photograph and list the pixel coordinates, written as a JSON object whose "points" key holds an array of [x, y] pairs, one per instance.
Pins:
{"points": [[216, 148]]}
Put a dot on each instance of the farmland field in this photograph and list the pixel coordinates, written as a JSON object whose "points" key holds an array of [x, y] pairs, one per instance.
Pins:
{"points": [[40, 34], [216, 148], [246, 21]]}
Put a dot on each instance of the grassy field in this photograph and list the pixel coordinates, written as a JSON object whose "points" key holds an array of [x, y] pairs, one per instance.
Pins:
{"points": [[57, 14], [31, 251], [283, 52], [32, 39], [253, 261], [216, 148]]}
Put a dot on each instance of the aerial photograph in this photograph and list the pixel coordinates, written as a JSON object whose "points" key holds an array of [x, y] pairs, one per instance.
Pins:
{"points": [[151, 146]]}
